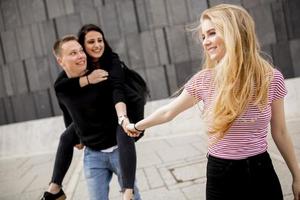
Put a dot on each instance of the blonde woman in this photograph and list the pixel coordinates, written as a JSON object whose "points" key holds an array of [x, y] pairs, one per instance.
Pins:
{"points": [[242, 93]]}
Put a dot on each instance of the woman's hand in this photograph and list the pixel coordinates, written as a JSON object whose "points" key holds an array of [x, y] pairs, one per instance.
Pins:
{"points": [[97, 76], [131, 131], [296, 189]]}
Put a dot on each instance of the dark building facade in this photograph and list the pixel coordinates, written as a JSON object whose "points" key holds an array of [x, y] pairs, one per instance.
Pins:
{"points": [[149, 35]]}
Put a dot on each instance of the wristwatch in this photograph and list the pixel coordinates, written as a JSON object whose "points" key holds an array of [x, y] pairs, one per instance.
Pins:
{"points": [[121, 119]]}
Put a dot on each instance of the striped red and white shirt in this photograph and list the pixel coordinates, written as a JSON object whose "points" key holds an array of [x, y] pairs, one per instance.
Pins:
{"points": [[248, 134]]}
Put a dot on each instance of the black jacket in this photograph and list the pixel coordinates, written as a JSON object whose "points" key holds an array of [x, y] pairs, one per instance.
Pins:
{"points": [[92, 108]]}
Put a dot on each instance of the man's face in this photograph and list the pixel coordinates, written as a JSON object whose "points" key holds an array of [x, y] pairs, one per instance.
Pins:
{"points": [[72, 59]]}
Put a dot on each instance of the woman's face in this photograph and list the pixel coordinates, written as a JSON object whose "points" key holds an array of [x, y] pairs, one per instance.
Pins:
{"points": [[212, 43], [94, 45]]}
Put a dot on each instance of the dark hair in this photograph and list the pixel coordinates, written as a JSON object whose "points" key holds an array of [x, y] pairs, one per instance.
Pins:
{"points": [[105, 59], [58, 43]]}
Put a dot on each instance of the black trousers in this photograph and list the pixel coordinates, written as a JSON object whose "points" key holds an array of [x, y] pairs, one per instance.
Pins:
{"points": [[64, 155], [246, 179]]}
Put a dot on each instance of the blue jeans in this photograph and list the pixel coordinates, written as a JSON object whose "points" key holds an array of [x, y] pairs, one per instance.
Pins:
{"points": [[98, 169]]}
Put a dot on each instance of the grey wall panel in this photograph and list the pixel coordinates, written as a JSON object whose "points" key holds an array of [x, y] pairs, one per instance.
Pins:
{"points": [[177, 44], [295, 54], [37, 40], [265, 28], [162, 48], [10, 47], [293, 17], [1, 53], [55, 8], [184, 72], [171, 78], [32, 11], [135, 51], [18, 78], [37, 71], [157, 13], [157, 82], [3, 119], [194, 46], [42, 103], [80, 5], [109, 21], [127, 17], [8, 81], [53, 68], [98, 3], [149, 49], [282, 58], [2, 28], [195, 8], [68, 24], [69, 6], [23, 107], [215, 2], [250, 3], [177, 11], [89, 16], [25, 44], [10, 116], [279, 21], [10, 13], [142, 15], [47, 36], [2, 85], [119, 46], [54, 103]]}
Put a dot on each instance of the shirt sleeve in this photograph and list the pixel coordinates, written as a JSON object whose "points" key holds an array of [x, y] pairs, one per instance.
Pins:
{"points": [[279, 86], [117, 79], [65, 85], [193, 86]]}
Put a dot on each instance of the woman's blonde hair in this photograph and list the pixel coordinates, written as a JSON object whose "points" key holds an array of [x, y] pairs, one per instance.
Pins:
{"points": [[242, 76]]}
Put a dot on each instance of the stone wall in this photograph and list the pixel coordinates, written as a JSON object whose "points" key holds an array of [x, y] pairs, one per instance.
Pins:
{"points": [[149, 35]]}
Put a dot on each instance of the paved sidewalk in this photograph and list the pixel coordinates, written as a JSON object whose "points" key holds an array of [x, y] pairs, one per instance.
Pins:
{"points": [[171, 165]]}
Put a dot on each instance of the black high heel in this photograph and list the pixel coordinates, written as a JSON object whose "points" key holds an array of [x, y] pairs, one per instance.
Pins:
{"points": [[49, 196]]}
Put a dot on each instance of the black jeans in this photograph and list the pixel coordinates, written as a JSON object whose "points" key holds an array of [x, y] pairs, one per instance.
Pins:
{"points": [[64, 155], [253, 178]]}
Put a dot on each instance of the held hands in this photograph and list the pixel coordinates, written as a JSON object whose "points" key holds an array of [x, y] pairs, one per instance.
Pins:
{"points": [[97, 76], [79, 146], [132, 131]]}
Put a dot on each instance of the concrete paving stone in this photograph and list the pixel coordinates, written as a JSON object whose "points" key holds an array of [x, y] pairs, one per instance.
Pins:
{"points": [[148, 160], [180, 185], [195, 191], [190, 172], [167, 176], [163, 194], [153, 177], [142, 182]]}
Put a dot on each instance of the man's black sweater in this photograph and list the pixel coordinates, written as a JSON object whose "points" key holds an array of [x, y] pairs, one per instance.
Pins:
{"points": [[92, 108]]}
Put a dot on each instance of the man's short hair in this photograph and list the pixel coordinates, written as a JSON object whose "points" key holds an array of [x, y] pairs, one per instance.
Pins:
{"points": [[58, 44]]}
